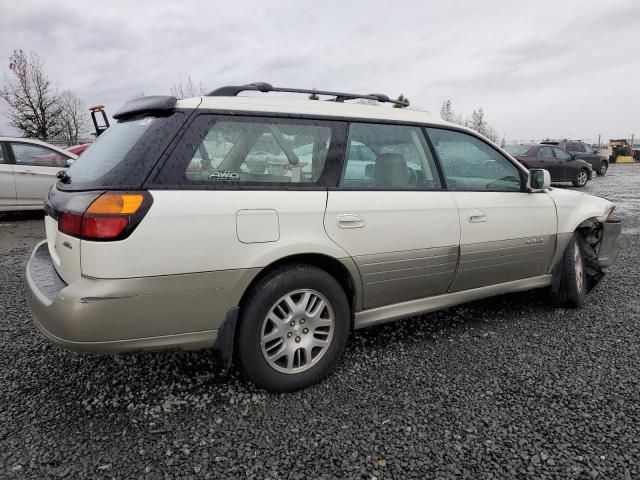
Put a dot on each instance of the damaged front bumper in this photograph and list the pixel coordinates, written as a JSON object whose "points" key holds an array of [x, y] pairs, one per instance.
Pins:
{"points": [[609, 246], [601, 246]]}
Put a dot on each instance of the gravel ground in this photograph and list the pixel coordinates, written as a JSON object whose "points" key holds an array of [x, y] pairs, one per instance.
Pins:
{"points": [[501, 388]]}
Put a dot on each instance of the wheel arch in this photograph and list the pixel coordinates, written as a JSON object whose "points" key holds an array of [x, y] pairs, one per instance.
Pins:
{"points": [[343, 270]]}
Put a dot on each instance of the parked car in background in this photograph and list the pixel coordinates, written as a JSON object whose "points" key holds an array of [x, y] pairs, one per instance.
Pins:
{"points": [[583, 151], [27, 169], [239, 223], [562, 165], [78, 149]]}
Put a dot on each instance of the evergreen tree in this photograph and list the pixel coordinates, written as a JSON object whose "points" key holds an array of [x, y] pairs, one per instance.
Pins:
{"points": [[446, 111]]}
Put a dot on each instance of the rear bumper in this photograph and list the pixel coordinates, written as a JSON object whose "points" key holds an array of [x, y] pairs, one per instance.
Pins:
{"points": [[610, 243], [118, 315]]}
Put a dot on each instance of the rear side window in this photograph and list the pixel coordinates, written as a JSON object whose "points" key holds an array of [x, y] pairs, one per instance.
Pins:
{"points": [[470, 164], [562, 154], [388, 157], [124, 155], [219, 151], [545, 152]]}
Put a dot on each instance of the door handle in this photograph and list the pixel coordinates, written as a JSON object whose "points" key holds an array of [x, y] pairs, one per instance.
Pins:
{"points": [[350, 220], [476, 216], [27, 172]]}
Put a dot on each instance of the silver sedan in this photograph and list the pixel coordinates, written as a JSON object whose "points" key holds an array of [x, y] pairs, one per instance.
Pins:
{"points": [[27, 170]]}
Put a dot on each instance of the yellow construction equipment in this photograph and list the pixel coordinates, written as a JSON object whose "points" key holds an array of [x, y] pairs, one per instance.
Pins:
{"points": [[620, 151]]}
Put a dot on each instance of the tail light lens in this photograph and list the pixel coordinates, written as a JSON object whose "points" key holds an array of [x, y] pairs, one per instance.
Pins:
{"points": [[111, 216]]}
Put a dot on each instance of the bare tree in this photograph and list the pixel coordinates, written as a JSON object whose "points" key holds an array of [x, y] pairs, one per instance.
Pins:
{"points": [[73, 118], [33, 100], [188, 89]]}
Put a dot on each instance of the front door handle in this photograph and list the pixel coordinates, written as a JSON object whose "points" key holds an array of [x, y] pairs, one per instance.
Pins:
{"points": [[476, 216], [350, 220], [27, 172]]}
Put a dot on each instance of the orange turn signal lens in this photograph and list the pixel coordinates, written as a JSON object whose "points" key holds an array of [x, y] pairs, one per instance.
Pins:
{"points": [[113, 203]]}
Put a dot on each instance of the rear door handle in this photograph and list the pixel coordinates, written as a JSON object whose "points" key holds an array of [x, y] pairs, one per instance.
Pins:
{"points": [[350, 220], [26, 172], [476, 216]]}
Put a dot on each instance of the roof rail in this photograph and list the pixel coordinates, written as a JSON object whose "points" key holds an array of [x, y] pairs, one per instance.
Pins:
{"points": [[234, 90]]}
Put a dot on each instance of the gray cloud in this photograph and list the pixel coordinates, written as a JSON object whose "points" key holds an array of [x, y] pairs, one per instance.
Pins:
{"points": [[542, 68]]}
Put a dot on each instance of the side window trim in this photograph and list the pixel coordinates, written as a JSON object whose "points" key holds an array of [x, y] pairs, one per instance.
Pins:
{"points": [[516, 165], [436, 159]]}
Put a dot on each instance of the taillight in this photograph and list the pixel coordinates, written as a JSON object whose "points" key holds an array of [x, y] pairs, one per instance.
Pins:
{"points": [[111, 216]]}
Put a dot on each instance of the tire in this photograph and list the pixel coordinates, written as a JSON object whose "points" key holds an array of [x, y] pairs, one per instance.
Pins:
{"points": [[304, 339], [602, 169], [581, 178], [572, 288]]}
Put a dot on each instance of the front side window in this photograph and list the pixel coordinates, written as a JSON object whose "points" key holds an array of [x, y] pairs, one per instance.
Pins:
{"points": [[36, 155], [562, 154], [221, 151], [388, 157], [468, 163]]}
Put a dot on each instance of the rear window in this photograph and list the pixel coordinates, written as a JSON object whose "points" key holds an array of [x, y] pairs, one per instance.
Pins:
{"points": [[517, 149], [124, 154]]}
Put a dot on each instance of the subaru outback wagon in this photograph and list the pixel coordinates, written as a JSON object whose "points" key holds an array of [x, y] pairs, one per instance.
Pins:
{"points": [[271, 228]]}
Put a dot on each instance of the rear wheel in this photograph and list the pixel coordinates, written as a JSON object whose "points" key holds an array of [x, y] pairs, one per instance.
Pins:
{"points": [[581, 178], [602, 169], [572, 288], [293, 328]]}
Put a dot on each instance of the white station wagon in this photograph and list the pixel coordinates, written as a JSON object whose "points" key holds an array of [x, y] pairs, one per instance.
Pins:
{"points": [[270, 228]]}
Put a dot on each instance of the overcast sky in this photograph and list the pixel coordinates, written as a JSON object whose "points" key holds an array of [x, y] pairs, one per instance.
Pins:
{"points": [[545, 68]]}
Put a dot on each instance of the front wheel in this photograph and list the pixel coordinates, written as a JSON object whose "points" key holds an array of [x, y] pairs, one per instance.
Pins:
{"points": [[581, 179], [293, 328], [602, 169], [572, 286]]}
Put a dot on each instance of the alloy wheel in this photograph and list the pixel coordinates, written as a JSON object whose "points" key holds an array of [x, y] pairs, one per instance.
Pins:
{"points": [[297, 331]]}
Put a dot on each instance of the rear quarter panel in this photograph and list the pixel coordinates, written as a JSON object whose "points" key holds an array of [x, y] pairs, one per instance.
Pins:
{"points": [[196, 231]]}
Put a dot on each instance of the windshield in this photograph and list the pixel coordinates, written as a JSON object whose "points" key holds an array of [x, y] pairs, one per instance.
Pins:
{"points": [[123, 155], [517, 149]]}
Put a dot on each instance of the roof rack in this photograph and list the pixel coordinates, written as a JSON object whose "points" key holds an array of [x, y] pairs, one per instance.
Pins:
{"points": [[234, 90]]}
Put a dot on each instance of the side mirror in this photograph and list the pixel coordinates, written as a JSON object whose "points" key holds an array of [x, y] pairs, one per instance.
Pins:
{"points": [[596, 150], [538, 180], [70, 161]]}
